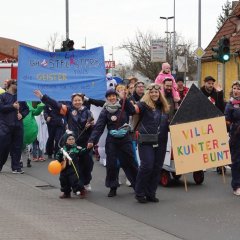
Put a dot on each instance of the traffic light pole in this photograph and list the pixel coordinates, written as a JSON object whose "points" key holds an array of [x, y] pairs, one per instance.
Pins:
{"points": [[223, 77], [67, 20]]}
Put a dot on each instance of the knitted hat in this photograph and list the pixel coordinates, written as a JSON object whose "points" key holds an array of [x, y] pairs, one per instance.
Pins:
{"points": [[66, 135], [110, 92], [165, 66]]}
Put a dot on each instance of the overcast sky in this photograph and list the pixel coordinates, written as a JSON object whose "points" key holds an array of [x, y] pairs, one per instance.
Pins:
{"points": [[105, 22]]}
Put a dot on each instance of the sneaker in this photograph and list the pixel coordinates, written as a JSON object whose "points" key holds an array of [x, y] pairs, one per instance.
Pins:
{"points": [[128, 183], [83, 193], [65, 195], [41, 159], [237, 192], [88, 187], [35, 159], [112, 192], [50, 157], [18, 171]]}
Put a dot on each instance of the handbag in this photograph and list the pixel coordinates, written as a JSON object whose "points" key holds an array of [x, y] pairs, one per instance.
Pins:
{"points": [[148, 139]]}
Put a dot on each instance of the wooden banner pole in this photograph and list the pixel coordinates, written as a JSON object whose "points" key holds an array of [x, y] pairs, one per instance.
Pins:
{"points": [[223, 174], [185, 182]]}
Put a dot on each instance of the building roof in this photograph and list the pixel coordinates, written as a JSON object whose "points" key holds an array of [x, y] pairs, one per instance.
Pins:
{"points": [[10, 47], [7, 58], [230, 29]]}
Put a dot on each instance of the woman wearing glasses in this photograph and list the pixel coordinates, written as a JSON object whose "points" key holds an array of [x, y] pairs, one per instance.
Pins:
{"points": [[232, 113], [153, 124], [80, 122]]}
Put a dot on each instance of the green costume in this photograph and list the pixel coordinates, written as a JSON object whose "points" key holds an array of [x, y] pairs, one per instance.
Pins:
{"points": [[30, 126]]}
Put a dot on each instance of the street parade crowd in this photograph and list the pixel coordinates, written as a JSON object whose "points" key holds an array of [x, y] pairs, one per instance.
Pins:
{"points": [[133, 117]]}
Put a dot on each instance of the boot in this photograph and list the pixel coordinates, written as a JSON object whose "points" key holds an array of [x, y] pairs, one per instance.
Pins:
{"points": [[152, 199], [112, 192], [141, 199], [65, 195], [29, 163]]}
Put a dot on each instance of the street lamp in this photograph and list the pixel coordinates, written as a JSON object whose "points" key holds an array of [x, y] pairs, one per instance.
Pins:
{"points": [[167, 18], [170, 39], [111, 54]]}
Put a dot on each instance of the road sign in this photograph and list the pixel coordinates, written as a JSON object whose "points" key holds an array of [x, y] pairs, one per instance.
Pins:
{"points": [[158, 50], [199, 52], [109, 64]]}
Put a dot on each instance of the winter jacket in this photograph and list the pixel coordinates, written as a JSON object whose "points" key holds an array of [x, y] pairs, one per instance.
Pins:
{"points": [[111, 120], [159, 80], [216, 97], [8, 114], [76, 119]]}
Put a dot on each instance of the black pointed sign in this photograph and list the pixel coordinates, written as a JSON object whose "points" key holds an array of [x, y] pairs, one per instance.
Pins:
{"points": [[195, 107]]}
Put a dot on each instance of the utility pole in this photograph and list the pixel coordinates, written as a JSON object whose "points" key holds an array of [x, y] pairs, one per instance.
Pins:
{"points": [[199, 66], [174, 40], [167, 32], [67, 20]]}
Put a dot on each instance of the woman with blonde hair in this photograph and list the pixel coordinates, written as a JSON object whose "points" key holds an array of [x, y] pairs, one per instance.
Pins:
{"points": [[152, 141]]}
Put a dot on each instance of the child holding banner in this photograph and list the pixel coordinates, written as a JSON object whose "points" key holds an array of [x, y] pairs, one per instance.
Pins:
{"points": [[80, 121], [232, 113]]}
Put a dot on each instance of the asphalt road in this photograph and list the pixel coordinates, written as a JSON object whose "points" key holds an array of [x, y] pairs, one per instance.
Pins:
{"points": [[207, 211]]}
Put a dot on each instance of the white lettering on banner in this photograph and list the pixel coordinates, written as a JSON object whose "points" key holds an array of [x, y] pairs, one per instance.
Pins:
{"points": [[109, 64]]}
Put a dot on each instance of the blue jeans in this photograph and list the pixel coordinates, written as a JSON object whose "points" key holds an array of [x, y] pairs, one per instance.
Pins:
{"points": [[36, 151]]}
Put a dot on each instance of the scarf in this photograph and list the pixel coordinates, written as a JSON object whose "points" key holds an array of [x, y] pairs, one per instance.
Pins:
{"points": [[235, 100], [112, 108]]}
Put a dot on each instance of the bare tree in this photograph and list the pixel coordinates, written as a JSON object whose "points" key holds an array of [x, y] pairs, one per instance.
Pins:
{"points": [[53, 41], [140, 53], [226, 11]]}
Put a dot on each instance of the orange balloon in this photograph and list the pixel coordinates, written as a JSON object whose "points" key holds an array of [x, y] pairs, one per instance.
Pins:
{"points": [[54, 167]]}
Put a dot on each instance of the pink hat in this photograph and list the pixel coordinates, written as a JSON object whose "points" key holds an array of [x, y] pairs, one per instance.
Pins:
{"points": [[165, 65]]}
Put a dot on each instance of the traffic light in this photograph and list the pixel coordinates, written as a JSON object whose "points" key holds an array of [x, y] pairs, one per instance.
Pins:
{"points": [[222, 51], [225, 46], [67, 45], [217, 52]]}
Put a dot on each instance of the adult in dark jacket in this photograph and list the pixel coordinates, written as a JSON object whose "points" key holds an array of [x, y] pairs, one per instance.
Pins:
{"points": [[115, 115], [153, 109], [79, 120], [232, 113], [182, 90], [139, 88], [213, 94], [12, 113], [56, 128]]}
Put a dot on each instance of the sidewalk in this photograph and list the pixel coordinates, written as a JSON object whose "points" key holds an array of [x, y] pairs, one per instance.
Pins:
{"points": [[32, 213]]}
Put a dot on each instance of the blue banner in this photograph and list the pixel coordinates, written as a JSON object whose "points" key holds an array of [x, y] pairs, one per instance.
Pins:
{"points": [[60, 74]]}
